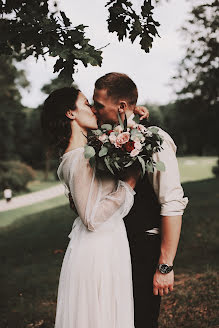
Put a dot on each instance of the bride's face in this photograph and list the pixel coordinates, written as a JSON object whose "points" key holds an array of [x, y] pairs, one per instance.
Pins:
{"points": [[83, 113]]}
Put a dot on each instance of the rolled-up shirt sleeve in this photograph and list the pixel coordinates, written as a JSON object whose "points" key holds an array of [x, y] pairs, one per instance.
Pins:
{"points": [[167, 184]]}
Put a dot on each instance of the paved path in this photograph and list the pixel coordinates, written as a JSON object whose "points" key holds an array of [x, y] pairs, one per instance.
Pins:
{"points": [[32, 198]]}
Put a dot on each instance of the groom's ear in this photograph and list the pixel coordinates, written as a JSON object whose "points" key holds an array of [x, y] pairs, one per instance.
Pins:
{"points": [[70, 114], [122, 106]]}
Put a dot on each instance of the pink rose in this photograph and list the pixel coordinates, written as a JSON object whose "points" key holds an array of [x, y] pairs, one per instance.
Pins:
{"points": [[134, 152], [112, 138], [103, 137], [117, 145], [122, 138], [138, 145]]}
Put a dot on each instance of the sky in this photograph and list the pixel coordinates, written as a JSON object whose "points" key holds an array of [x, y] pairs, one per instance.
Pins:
{"points": [[151, 72]]}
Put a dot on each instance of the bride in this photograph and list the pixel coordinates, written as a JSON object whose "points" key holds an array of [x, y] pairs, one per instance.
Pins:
{"points": [[95, 284]]}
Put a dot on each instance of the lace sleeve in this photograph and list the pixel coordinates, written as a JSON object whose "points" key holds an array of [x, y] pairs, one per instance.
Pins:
{"points": [[93, 204]]}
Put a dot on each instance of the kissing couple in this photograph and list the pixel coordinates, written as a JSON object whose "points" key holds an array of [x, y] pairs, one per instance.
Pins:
{"points": [[119, 260]]}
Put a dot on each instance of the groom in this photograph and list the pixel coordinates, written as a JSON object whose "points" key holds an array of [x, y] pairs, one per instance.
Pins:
{"points": [[153, 225]]}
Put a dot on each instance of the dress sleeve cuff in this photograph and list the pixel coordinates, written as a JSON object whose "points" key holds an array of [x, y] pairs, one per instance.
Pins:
{"points": [[127, 186]]}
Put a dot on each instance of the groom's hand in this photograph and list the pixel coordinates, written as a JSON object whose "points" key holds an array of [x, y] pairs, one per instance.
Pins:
{"points": [[163, 282]]}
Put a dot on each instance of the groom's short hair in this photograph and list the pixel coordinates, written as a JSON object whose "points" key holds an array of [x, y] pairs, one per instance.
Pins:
{"points": [[118, 86]]}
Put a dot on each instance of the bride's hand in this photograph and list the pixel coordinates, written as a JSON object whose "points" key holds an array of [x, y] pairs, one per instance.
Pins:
{"points": [[142, 111]]}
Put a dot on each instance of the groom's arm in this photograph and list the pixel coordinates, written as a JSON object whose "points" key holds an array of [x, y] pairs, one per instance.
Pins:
{"points": [[170, 194], [170, 234]]}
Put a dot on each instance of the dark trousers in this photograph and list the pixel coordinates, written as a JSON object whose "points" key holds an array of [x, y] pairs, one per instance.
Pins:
{"points": [[145, 252]]}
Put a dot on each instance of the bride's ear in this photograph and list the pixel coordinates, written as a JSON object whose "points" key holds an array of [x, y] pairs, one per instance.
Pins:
{"points": [[70, 114]]}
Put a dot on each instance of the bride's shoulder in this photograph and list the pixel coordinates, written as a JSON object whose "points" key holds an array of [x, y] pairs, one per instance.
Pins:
{"points": [[71, 154], [71, 158]]}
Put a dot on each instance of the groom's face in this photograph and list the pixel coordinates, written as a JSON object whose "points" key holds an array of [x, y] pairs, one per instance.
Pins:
{"points": [[105, 108]]}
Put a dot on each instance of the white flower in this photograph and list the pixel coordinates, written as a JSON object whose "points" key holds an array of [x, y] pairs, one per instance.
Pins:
{"points": [[118, 128], [112, 138], [138, 145], [132, 124], [135, 138], [134, 152], [103, 138]]}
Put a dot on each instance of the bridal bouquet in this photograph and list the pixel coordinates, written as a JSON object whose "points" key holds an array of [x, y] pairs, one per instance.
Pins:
{"points": [[114, 148]]}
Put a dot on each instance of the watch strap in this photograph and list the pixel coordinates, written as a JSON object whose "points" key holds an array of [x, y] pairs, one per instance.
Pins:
{"points": [[164, 268]]}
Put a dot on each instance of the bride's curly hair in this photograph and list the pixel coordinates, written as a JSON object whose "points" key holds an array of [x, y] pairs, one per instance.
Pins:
{"points": [[55, 124]]}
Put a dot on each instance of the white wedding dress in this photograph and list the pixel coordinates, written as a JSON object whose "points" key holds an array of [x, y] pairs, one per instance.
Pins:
{"points": [[95, 285]]}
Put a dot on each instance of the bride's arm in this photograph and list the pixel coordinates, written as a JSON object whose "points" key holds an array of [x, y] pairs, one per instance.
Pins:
{"points": [[93, 205]]}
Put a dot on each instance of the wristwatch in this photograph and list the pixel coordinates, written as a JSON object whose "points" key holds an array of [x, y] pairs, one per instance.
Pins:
{"points": [[165, 268]]}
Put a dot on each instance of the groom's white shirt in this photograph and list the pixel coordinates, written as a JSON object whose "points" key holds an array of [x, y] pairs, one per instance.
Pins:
{"points": [[167, 184]]}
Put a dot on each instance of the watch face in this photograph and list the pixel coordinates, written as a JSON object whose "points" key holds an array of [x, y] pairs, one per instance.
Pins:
{"points": [[164, 268]]}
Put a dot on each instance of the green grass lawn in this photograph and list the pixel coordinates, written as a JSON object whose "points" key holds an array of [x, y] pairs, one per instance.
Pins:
{"points": [[195, 168], [8, 217], [194, 302], [39, 183], [33, 246]]}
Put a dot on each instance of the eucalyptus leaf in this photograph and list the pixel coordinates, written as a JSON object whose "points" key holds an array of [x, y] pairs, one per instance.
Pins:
{"points": [[106, 160], [92, 161], [153, 129], [148, 147], [106, 127], [103, 151], [97, 132], [149, 167], [120, 121], [129, 164], [89, 152], [160, 166], [142, 162], [117, 165]]}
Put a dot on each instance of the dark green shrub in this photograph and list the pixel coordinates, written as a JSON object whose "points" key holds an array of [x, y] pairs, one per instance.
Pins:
{"points": [[15, 175], [215, 169]]}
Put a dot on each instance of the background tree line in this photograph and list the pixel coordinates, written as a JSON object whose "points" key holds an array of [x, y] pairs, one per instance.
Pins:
{"points": [[192, 120]]}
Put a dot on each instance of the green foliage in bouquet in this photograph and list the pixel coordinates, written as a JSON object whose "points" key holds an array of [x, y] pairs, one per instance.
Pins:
{"points": [[115, 148]]}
